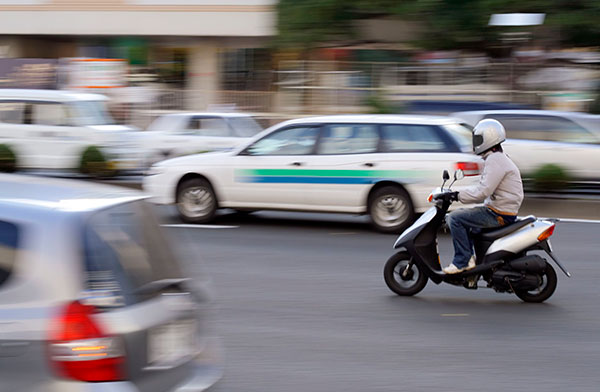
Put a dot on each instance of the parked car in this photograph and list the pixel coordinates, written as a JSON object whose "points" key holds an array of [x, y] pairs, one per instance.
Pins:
{"points": [[177, 134], [51, 129], [91, 297], [538, 137], [382, 165]]}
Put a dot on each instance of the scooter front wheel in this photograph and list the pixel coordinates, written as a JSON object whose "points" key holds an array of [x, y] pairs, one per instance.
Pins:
{"points": [[403, 277]]}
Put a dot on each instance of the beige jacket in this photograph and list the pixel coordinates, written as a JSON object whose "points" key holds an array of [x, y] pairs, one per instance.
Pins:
{"points": [[500, 186]]}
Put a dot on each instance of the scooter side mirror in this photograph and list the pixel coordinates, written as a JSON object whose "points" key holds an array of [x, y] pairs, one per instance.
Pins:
{"points": [[445, 176], [459, 175]]}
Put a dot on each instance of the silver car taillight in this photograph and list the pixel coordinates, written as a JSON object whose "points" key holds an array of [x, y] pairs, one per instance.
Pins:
{"points": [[79, 349]]}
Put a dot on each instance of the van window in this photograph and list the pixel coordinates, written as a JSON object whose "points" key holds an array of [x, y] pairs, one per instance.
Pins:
{"points": [[206, 126], [12, 112], [124, 249], [348, 139], [49, 114], [409, 137], [9, 241]]}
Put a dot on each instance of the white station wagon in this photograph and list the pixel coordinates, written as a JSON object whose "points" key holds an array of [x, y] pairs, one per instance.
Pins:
{"points": [[382, 165]]}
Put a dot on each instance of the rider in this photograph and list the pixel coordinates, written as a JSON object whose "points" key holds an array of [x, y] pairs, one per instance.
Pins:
{"points": [[500, 188]]}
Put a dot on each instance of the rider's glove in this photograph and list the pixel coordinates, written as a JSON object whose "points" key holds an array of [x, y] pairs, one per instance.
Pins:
{"points": [[451, 196]]}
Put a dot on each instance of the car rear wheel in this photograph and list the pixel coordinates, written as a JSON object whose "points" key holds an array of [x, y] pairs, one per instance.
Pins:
{"points": [[196, 201], [391, 209]]}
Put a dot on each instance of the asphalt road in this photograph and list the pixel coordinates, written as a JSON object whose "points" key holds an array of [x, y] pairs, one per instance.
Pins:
{"points": [[302, 306]]}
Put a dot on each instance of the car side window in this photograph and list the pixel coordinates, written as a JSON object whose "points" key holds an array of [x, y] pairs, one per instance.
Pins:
{"points": [[12, 112], [348, 139], [410, 137], [549, 128], [9, 244], [299, 140], [209, 126], [49, 113]]}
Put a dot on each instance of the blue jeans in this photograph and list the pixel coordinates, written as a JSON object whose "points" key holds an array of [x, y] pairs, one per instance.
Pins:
{"points": [[464, 223]]}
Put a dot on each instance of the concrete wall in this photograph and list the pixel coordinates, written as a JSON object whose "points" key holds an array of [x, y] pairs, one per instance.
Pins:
{"points": [[250, 18]]}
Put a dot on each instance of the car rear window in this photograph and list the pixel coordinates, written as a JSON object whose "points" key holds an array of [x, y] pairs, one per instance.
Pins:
{"points": [[411, 137], [9, 241], [125, 250], [462, 134]]}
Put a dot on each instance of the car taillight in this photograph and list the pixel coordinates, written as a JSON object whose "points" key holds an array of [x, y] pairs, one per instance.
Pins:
{"points": [[546, 234], [79, 349], [468, 168]]}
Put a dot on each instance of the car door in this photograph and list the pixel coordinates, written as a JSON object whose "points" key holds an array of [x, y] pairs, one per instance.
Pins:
{"points": [[536, 140], [271, 172], [343, 168], [53, 141], [212, 133], [13, 131]]}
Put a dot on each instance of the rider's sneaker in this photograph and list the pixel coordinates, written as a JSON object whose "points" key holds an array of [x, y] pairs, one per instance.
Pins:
{"points": [[452, 269], [472, 264]]}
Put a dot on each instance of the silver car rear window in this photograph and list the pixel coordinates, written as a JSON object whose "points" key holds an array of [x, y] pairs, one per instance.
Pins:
{"points": [[124, 250]]}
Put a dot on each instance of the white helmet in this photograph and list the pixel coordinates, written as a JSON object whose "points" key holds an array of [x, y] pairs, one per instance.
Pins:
{"points": [[487, 134]]}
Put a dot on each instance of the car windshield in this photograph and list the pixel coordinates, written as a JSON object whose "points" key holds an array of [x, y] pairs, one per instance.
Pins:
{"points": [[245, 126], [90, 113], [124, 249], [463, 134]]}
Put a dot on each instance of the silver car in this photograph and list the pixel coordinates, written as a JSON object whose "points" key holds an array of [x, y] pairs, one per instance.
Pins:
{"points": [[91, 297], [540, 137]]}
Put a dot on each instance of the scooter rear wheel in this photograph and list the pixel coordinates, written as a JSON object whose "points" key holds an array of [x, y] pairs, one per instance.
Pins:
{"points": [[400, 280], [544, 291]]}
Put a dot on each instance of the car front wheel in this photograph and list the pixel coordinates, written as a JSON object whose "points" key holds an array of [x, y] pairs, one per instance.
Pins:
{"points": [[196, 201]]}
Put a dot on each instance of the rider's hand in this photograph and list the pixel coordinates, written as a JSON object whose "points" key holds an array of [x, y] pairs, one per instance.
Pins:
{"points": [[450, 196]]}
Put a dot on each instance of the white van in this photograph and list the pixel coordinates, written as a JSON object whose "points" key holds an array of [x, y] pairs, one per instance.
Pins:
{"points": [[50, 129]]}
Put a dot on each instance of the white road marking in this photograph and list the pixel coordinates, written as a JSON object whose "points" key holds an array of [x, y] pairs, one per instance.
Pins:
{"points": [[575, 220], [188, 226], [455, 314]]}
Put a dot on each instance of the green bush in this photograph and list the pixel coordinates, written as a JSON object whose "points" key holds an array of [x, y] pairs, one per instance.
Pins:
{"points": [[8, 159], [550, 177], [377, 105], [94, 163]]}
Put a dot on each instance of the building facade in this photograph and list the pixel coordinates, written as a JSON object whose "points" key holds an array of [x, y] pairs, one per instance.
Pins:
{"points": [[180, 44]]}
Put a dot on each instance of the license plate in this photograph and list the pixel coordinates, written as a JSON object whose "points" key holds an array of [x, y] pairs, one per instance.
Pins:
{"points": [[171, 344]]}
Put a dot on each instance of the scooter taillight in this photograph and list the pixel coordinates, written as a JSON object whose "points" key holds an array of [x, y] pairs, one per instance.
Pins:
{"points": [[546, 234]]}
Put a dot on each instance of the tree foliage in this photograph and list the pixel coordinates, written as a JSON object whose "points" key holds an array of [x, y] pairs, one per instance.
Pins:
{"points": [[448, 23]]}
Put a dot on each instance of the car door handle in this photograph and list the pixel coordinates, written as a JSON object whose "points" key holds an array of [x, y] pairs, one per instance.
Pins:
{"points": [[368, 164], [297, 163]]}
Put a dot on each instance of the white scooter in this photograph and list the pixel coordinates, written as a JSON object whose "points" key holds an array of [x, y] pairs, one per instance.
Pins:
{"points": [[504, 261]]}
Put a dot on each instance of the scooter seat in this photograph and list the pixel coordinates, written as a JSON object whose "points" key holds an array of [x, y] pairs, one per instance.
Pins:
{"points": [[495, 233]]}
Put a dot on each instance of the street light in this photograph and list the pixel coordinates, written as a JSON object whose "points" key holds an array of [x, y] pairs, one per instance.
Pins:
{"points": [[515, 20]]}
